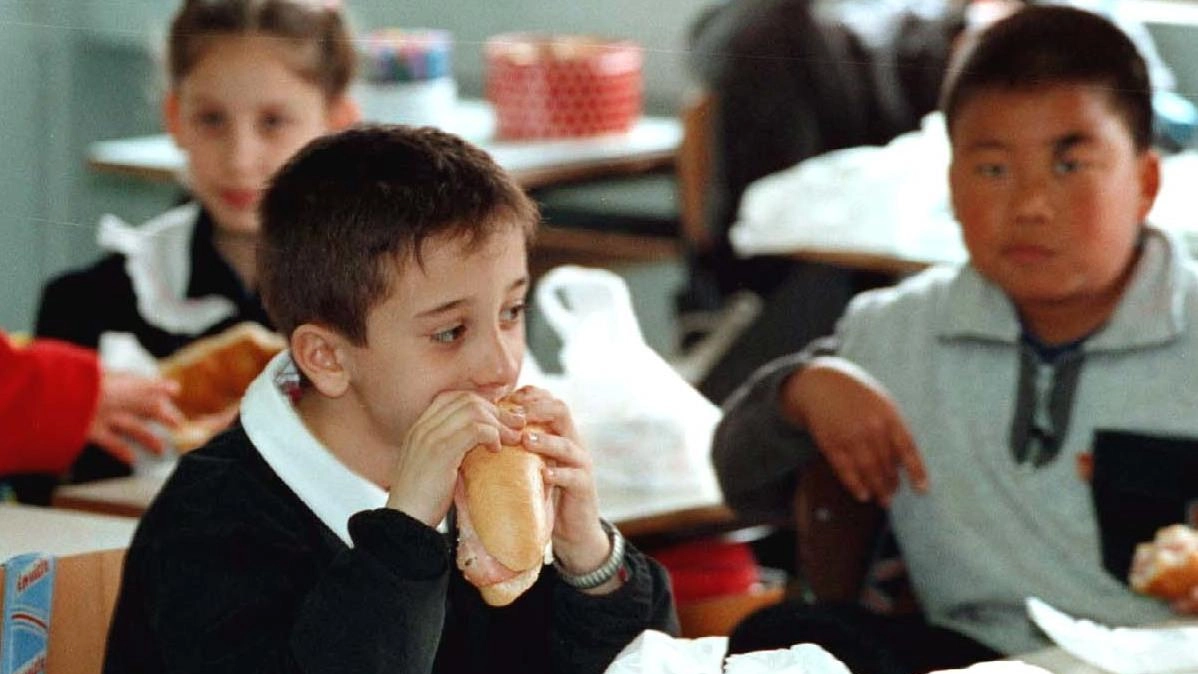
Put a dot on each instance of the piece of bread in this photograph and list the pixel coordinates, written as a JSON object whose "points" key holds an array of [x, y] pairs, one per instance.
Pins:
{"points": [[505, 518], [213, 373], [1167, 566]]}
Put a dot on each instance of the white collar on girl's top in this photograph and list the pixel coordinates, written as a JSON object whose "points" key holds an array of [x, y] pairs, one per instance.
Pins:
{"points": [[158, 262], [328, 487]]}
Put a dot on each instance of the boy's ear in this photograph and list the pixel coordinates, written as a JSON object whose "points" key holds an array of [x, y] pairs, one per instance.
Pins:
{"points": [[343, 112], [1150, 181], [170, 114], [319, 353]]}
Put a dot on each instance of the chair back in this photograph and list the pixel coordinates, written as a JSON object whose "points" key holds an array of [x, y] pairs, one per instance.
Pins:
{"points": [[84, 595], [835, 535]]}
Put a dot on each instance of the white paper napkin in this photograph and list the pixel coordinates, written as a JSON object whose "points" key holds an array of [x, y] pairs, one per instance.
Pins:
{"points": [[1122, 650], [798, 659], [656, 652]]}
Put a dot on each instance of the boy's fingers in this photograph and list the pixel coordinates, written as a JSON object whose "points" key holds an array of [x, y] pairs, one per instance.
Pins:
{"points": [[139, 432], [910, 458], [114, 446], [847, 472]]}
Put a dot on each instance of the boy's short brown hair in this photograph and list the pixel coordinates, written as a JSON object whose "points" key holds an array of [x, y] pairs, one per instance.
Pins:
{"points": [[1049, 45], [346, 208]]}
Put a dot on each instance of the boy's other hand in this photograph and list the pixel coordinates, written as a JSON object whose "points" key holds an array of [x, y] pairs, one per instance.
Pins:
{"points": [[128, 408], [579, 542], [426, 471], [857, 427]]}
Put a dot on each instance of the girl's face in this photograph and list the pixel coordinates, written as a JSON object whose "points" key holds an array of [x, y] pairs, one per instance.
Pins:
{"points": [[239, 115]]}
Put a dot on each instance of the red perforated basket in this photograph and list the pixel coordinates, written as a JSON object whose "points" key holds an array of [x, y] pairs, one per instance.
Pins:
{"points": [[557, 86]]}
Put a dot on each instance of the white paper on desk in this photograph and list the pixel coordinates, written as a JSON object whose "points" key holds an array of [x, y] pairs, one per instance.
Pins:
{"points": [[655, 652], [886, 200], [798, 659], [1122, 650]]}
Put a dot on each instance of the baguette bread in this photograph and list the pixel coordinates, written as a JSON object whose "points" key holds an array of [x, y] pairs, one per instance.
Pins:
{"points": [[1167, 566], [213, 373], [505, 521]]}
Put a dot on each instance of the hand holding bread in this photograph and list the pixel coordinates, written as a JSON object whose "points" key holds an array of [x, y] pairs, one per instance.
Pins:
{"points": [[212, 374], [1167, 567], [517, 499]]}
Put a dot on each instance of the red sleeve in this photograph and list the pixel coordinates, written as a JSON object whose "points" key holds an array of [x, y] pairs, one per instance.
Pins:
{"points": [[48, 394]]}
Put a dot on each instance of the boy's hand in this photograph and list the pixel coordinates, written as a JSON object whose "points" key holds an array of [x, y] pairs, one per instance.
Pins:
{"points": [[426, 471], [128, 408], [856, 426], [579, 542]]}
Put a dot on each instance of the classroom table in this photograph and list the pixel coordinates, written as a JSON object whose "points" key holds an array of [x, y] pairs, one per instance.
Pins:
{"points": [[25, 528], [650, 144]]}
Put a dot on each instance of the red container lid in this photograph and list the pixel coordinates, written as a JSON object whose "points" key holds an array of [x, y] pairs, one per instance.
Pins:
{"points": [[559, 86]]}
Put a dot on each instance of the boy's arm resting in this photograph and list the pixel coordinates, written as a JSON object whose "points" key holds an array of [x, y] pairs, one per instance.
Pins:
{"points": [[757, 452], [590, 630], [252, 600]]}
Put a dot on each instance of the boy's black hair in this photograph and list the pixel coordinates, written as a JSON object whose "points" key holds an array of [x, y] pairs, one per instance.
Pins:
{"points": [[1044, 45], [349, 206]]}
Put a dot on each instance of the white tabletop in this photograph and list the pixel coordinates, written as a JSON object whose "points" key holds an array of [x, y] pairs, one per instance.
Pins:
{"points": [[59, 532], [652, 140]]}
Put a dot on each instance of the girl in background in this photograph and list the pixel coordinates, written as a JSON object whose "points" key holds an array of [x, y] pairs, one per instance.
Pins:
{"points": [[251, 82]]}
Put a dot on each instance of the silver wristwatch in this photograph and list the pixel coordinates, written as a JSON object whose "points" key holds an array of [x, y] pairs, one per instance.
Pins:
{"points": [[606, 570]]}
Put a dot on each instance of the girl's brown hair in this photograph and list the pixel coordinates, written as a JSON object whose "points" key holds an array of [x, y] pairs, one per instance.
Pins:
{"points": [[314, 31]]}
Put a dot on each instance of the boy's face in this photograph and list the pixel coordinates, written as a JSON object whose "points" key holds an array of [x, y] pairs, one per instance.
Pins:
{"points": [[1050, 193], [455, 323]]}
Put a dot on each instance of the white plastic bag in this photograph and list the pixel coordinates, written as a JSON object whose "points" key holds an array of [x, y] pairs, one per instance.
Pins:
{"points": [[648, 430]]}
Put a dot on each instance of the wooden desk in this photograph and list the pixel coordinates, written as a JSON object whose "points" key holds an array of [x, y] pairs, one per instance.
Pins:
{"points": [[650, 144], [59, 532]]}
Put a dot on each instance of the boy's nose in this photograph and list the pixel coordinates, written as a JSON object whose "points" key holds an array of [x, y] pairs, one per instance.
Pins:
{"points": [[1032, 200], [499, 363]]}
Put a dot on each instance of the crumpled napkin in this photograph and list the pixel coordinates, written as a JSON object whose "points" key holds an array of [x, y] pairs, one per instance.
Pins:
{"points": [[798, 659], [1122, 650], [655, 652]]}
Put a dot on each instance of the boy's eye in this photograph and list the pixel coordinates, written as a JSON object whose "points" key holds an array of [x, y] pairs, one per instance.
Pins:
{"points": [[1063, 166], [448, 336], [512, 313], [991, 170], [273, 122], [210, 120]]}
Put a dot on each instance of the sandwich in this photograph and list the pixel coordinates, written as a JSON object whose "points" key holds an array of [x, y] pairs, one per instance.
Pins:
{"points": [[213, 373], [505, 520], [1167, 566]]}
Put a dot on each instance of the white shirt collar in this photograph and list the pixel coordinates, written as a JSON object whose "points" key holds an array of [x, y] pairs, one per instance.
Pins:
{"points": [[328, 487]]}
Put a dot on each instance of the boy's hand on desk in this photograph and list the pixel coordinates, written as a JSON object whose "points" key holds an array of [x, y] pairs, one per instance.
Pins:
{"points": [[579, 542], [129, 406], [426, 471], [856, 425]]}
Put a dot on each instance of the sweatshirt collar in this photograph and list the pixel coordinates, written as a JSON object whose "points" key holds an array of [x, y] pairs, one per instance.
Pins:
{"points": [[326, 486], [1151, 311]]}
